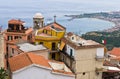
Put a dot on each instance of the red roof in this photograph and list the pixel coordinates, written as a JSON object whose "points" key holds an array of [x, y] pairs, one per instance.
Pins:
{"points": [[115, 51], [55, 25], [69, 33], [26, 59], [14, 21]]}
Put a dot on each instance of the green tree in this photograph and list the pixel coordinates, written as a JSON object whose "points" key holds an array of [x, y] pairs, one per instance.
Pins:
{"points": [[3, 73]]}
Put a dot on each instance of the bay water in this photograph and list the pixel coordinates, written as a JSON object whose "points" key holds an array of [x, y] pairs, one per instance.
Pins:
{"points": [[25, 10]]}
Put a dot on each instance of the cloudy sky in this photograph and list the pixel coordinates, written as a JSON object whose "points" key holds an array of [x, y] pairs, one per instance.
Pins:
{"points": [[27, 8], [107, 4]]}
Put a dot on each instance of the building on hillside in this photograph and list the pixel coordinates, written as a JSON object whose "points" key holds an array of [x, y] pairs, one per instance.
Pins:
{"points": [[32, 66], [23, 46], [50, 36], [2, 52], [17, 30], [38, 21], [83, 57]]}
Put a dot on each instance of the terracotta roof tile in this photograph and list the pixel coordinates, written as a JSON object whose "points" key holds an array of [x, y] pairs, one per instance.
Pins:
{"points": [[26, 59], [19, 62], [14, 21], [37, 59], [69, 34], [115, 51], [56, 25]]}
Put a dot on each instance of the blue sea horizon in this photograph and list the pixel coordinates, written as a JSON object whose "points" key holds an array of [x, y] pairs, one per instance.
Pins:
{"points": [[26, 9]]}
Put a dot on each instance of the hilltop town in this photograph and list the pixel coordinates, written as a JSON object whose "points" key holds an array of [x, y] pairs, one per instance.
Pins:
{"points": [[49, 52]]}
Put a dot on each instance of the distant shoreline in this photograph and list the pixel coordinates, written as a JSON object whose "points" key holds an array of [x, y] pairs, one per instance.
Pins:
{"points": [[113, 17], [114, 28]]}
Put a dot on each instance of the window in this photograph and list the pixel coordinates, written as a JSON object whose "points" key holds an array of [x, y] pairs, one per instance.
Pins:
{"points": [[72, 38], [41, 42], [56, 33], [53, 56], [10, 38], [11, 26], [71, 52], [83, 73], [17, 27], [53, 46], [17, 37], [12, 51], [46, 32], [29, 37], [7, 49]]}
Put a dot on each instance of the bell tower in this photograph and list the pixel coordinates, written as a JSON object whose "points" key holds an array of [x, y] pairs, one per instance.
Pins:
{"points": [[38, 21]]}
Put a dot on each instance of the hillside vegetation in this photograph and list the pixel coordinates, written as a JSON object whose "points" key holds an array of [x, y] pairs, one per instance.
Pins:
{"points": [[112, 38]]}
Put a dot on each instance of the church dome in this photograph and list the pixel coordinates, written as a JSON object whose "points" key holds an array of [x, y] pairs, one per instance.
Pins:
{"points": [[38, 15]]}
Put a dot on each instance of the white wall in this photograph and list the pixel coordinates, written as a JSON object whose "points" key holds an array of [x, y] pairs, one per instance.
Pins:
{"points": [[100, 52], [68, 50], [35, 72]]}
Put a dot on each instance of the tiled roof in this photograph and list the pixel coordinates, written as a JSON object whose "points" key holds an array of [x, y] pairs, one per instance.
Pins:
{"points": [[37, 59], [18, 62], [26, 59], [23, 60], [72, 44], [28, 31], [115, 51], [55, 26], [69, 34], [14, 21]]}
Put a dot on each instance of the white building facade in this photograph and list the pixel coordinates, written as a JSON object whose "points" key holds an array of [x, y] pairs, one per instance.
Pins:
{"points": [[37, 72], [83, 57]]}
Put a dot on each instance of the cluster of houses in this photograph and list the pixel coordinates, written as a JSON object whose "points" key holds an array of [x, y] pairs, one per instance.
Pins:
{"points": [[49, 52]]}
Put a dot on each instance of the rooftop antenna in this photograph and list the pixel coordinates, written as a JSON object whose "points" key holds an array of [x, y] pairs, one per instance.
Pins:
{"points": [[54, 18]]}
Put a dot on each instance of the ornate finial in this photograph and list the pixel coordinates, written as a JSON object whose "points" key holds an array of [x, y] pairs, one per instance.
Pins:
{"points": [[54, 18]]}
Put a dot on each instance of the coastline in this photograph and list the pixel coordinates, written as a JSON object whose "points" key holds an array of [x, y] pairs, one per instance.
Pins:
{"points": [[116, 26], [115, 21]]}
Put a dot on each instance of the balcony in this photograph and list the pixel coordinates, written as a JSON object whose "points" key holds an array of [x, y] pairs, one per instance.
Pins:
{"points": [[18, 31], [47, 38]]}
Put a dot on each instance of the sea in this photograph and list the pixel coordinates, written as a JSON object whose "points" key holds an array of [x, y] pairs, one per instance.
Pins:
{"points": [[26, 9]]}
